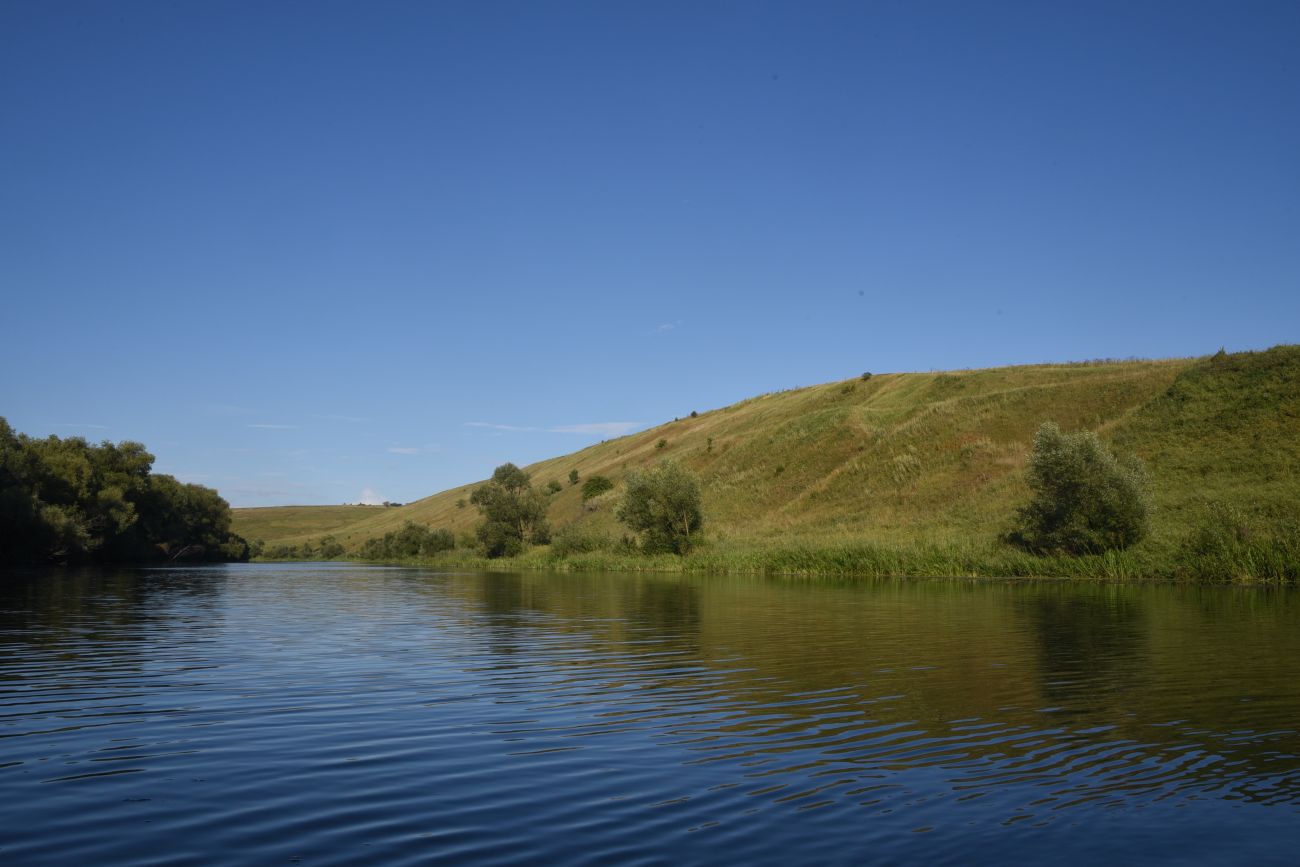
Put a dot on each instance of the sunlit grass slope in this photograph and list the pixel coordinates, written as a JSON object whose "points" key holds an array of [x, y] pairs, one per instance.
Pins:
{"points": [[932, 458], [309, 522]]}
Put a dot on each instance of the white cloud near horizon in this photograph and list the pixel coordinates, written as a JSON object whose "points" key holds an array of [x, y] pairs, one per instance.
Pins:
{"points": [[371, 497], [604, 429]]}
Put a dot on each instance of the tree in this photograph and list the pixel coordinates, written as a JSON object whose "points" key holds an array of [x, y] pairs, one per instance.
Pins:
{"points": [[573, 476], [514, 514], [595, 486], [662, 505], [66, 500], [1085, 500]]}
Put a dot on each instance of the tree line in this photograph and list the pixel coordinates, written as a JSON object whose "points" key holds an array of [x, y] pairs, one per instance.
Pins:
{"points": [[70, 501]]}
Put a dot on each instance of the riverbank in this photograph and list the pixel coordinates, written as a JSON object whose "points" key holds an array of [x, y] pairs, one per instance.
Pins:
{"points": [[1264, 560]]}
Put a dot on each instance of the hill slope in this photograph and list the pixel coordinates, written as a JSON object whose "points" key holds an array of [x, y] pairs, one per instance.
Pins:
{"points": [[935, 456]]}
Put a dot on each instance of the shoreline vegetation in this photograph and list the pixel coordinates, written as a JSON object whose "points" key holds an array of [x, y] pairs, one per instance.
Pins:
{"points": [[65, 501], [1182, 470]]}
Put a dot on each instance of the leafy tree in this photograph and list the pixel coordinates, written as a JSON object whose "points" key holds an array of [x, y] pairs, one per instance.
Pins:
{"points": [[514, 514], [663, 506], [1085, 500], [595, 486], [573, 476], [65, 500]]}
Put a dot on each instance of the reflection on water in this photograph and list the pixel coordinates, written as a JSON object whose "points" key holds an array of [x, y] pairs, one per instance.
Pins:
{"points": [[341, 714]]}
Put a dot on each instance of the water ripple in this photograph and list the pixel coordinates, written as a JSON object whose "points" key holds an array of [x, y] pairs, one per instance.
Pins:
{"points": [[342, 715]]}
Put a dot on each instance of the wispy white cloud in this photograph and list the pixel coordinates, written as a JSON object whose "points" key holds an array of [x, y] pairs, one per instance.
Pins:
{"points": [[600, 428], [666, 327], [403, 450], [227, 409], [275, 426], [509, 427], [371, 497]]}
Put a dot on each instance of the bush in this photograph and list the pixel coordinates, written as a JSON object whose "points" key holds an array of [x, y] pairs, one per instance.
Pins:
{"points": [[1231, 544], [595, 486], [662, 505], [573, 477], [553, 487], [1085, 501], [576, 540], [412, 542]]}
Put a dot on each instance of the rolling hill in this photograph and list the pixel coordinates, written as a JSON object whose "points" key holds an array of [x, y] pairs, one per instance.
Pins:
{"points": [[895, 458]]}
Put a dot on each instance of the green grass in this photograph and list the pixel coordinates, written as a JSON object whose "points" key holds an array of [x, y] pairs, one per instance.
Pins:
{"points": [[918, 473], [301, 523]]}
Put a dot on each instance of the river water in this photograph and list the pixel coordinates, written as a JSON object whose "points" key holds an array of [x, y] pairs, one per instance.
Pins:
{"points": [[338, 714]]}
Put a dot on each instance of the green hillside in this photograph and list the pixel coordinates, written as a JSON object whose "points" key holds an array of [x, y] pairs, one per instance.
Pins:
{"points": [[933, 458]]}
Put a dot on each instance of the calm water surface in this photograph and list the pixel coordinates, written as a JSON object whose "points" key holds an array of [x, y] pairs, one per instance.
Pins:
{"points": [[328, 714]]}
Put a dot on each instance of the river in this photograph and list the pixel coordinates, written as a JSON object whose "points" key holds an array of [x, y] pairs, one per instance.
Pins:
{"points": [[329, 714]]}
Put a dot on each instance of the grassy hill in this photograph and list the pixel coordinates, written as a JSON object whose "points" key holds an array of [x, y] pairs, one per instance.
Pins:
{"points": [[917, 458]]}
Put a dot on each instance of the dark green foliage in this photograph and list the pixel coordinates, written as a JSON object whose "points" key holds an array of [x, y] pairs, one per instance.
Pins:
{"points": [[413, 541], [866, 375], [330, 549], [694, 414], [575, 540], [663, 506], [553, 487], [662, 444], [67, 501], [514, 514], [1231, 544], [1085, 501], [573, 477], [595, 486]]}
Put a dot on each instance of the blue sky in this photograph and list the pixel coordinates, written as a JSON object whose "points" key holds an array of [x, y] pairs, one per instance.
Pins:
{"points": [[309, 250]]}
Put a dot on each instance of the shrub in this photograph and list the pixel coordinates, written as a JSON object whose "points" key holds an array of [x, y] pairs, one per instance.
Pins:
{"points": [[412, 542], [1085, 501], [595, 486], [663, 506], [577, 540], [1229, 543], [573, 476], [662, 444], [554, 486]]}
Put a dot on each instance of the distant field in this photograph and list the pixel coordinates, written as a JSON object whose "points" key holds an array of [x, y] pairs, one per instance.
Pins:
{"points": [[902, 459], [279, 522]]}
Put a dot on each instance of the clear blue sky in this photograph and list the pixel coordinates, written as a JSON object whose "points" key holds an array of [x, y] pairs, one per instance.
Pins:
{"points": [[306, 250]]}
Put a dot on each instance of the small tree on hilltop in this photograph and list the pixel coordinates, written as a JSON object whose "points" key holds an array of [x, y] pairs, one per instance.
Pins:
{"points": [[1085, 501], [662, 505], [514, 514]]}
